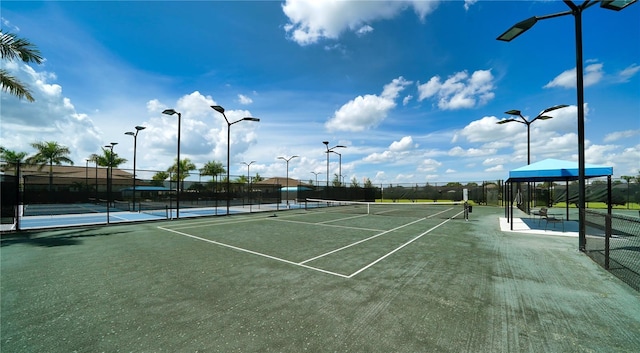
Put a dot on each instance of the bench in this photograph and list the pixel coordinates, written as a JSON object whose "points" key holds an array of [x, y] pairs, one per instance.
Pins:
{"points": [[553, 219], [542, 212]]}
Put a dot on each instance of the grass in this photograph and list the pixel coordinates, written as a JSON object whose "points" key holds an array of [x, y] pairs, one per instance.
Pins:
{"points": [[601, 205]]}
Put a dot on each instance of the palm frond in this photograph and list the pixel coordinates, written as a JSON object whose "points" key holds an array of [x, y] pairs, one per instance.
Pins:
{"points": [[14, 87], [13, 47]]}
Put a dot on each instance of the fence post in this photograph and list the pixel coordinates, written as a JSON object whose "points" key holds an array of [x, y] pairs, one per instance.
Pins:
{"points": [[18, 204]]}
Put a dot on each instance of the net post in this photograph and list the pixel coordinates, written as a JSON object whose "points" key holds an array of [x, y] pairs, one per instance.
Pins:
{"points": [[465, 197]]}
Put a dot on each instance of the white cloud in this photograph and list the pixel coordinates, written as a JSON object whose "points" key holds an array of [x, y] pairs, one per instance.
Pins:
{"points": [[7, 23], [630, 71], [498, 168], [459, 90], [364, 30], [244, 100], [592, 74], [614, 136], [468, 3], [386, 156], [429, 165], [312, 20], [405, 144], [397, 150], [485, 130], [51, 115], [365, 112], [471, 152]]}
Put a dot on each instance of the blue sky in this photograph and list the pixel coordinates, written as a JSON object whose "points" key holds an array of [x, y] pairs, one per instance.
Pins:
{"points": [[413, 88]]}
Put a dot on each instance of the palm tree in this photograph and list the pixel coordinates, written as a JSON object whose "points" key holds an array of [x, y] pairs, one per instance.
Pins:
{"points": [[14, 48], [107, 159], [11, 158], [49, 153], [212, 168], [94, 158], [159, 178], [185, 167]]}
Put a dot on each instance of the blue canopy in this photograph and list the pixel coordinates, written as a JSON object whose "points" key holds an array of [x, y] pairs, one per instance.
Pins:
{"points": [[554, 169]]}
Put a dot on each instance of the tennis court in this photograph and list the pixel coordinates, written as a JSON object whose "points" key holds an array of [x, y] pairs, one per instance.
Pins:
{"points": [[332, 240], [324, 279]]}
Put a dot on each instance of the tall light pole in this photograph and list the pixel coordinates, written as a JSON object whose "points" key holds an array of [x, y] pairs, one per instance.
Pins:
{"points": [[287, 160], [249, 181], [339, 166], [576, 11], [540, 116], [135, 143], [172, 112], [86, 174], [316, 174], [220, 110], [329, 150], [109, 177]]}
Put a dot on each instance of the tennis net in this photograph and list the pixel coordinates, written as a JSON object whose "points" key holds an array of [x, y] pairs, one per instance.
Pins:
{"points": [[452, 209]]}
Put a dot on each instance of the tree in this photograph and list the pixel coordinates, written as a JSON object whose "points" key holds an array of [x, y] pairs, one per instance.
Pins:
{"points": [[14, 48], [212, 168], [108, 158], [354, 183], [336, 181], [185, 167], [49, 153], [159, 178], [368, 183], [257, 178], [12, 158], [627, 178]]}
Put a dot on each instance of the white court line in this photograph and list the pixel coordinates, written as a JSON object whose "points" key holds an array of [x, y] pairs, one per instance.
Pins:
{"points": [[302, 264], [342, 219], [253, 252], [214, 223], [402, 246], [325, 225], [362, 241], [443, 211], [223, 220]]}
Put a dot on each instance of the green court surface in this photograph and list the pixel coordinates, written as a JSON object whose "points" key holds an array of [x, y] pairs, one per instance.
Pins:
{"points": [[314, 281]]}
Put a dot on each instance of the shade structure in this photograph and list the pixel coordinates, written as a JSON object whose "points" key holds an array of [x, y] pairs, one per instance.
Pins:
{"points": [[556, 170]]}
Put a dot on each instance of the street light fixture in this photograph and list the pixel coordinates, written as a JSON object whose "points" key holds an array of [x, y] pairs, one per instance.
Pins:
{"points": [[287, 160], [576, 11], [109, 177], [339, 166], [329, 150], [316, 174], [540, 116], [220, 110], [135, 143], [172, 112], [249, 181]]}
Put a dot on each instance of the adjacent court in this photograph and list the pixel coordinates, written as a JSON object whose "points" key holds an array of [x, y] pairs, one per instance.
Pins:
{"points": [[311, 280]]}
